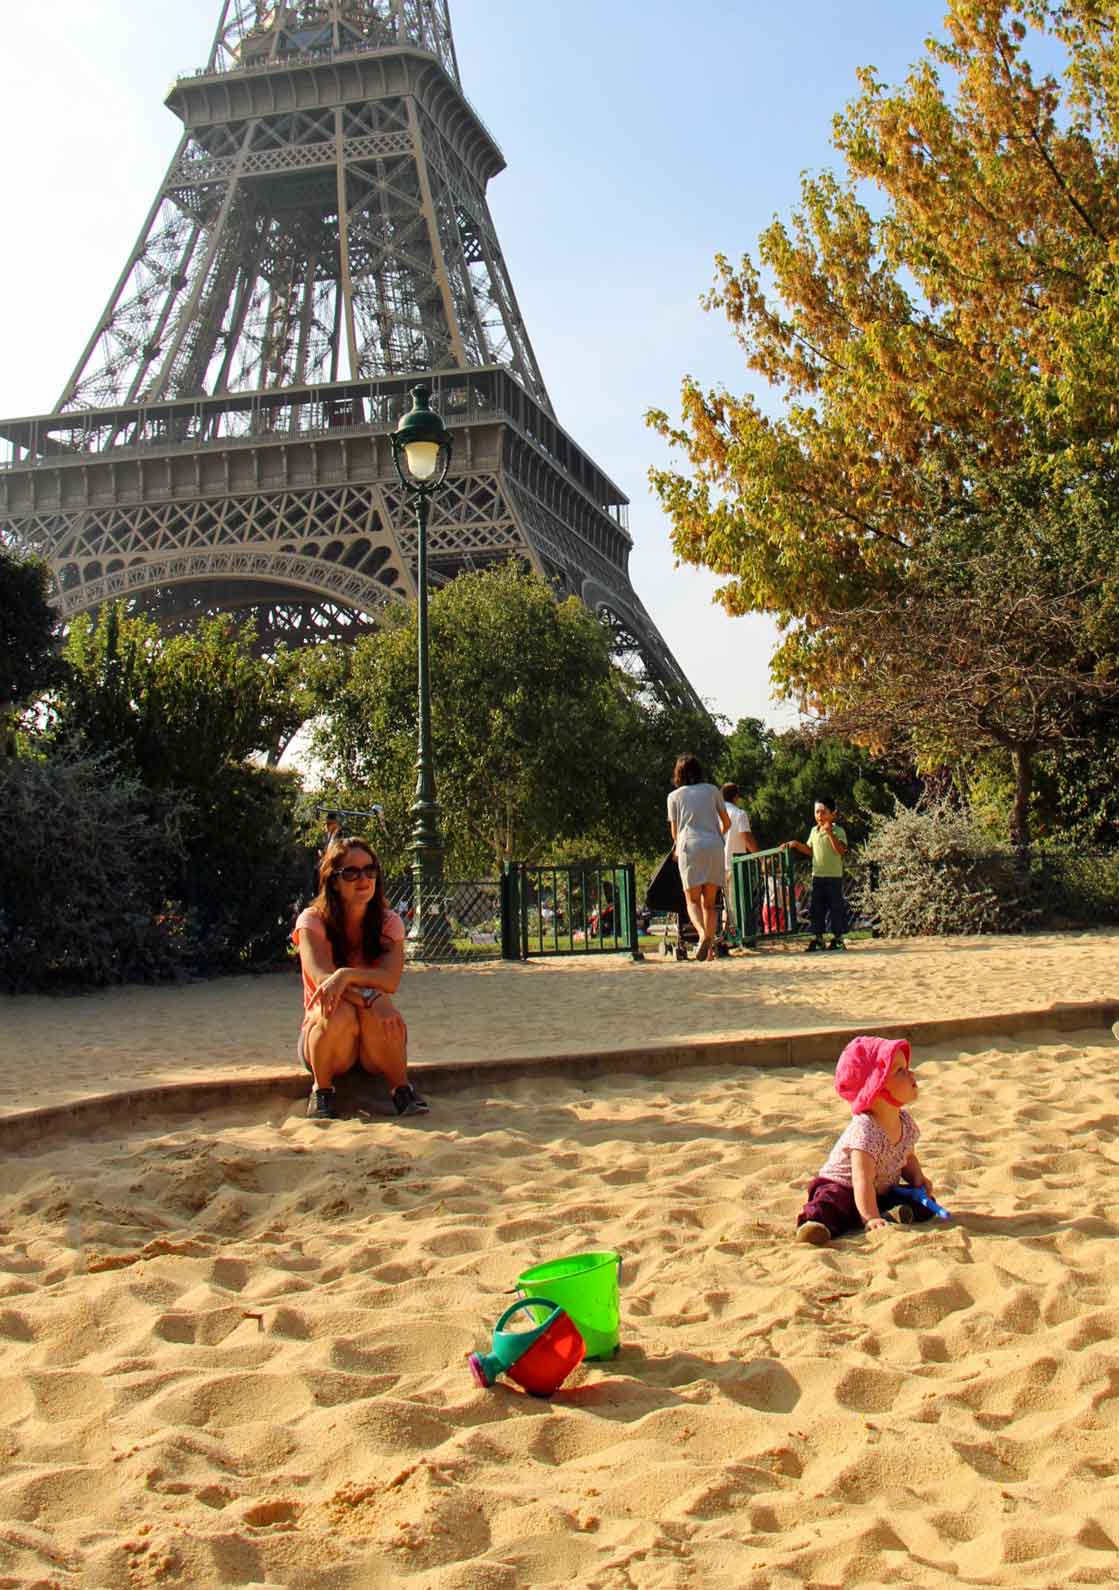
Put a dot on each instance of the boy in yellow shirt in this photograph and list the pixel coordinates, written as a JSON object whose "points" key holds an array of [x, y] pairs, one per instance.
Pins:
{"points": [[827, 845]]}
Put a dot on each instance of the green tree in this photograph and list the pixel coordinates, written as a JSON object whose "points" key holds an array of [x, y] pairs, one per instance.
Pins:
{"points": [[956, 328], [1077, 789], [538, 736], [181, 715], [747, 756], [246, 866], [986, 652], [28, 660], [649, 737], [174, 709], [782, 774]]}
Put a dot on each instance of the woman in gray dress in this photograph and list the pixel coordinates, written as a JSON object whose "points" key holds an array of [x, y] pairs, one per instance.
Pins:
{"points": [[698, 818]]}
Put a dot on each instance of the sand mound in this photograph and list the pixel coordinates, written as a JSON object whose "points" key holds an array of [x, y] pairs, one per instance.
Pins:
{"points": [[238, 1357]]}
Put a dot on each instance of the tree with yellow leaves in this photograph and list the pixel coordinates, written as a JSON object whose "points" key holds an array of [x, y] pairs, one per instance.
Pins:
{"points": [[961, 333]]}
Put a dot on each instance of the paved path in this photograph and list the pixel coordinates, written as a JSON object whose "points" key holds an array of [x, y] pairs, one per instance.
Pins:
{"points": [[56, 1050]]}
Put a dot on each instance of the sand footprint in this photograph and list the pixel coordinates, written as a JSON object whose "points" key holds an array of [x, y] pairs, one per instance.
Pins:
{"points": [[869, 1390], [453, 1244], [15, 1326], [998, 1460], [388, 1427], [61, 1395], [16, 1400], [272, 1514], [332, 1388], [920, 1310], [60, 1496], [232, 1275], [1101, 1327], [223, 1402], [207, 1330]]}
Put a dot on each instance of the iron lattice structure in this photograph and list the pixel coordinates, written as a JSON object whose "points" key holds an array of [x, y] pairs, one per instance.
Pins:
{"points": [[321, 240]]}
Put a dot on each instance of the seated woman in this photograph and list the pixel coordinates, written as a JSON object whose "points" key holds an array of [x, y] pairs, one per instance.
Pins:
{"points": [[351, 949]]}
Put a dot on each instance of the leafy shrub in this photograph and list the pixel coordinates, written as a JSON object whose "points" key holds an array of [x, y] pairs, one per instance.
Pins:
{"points": [[81, 846], [103, 881], [1078, 888], [781, 774], [244, 873], [930, 870]]}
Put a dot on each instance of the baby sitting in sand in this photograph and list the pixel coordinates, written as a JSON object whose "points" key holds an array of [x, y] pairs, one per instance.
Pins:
{"points": [[876, 1150]]}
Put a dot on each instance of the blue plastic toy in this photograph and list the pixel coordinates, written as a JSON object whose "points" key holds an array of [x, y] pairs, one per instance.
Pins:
{"points": [[918, 1195]]}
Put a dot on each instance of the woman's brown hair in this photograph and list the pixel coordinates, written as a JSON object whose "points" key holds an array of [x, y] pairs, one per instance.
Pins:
{"points": [[687, 771], [328, 902]]}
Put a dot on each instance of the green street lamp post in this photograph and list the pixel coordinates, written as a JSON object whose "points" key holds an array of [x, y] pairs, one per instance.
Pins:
{"points": [[421, 450]]}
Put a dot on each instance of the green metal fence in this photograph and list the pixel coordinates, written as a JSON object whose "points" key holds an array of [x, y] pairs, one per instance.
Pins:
{"points": [[764, 886], [772, 895], [586, 909]]}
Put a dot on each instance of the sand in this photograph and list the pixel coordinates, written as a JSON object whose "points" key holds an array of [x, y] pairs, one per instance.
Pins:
{"points": [[236, 1356]]}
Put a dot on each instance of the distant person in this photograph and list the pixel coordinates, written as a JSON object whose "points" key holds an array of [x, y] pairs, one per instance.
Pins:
{"points": [[697, 816], [601, 921], [738, 840], [827, 845], [332, 829], [351, 951]]}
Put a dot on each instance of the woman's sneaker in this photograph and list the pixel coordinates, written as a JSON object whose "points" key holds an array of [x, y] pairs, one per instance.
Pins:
{"points": [[320, 1106], [408, 1101], [837, 943], [815, 944]]}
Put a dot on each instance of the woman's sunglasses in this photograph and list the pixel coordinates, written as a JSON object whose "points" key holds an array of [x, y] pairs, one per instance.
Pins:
{"points": [[352, 874]]}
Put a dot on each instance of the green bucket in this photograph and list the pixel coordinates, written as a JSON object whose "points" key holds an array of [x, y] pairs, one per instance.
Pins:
{"points": [[586, 1288]]}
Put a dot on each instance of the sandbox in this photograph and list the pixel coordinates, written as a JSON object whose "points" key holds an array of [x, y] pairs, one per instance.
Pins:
{"points": [[233, 1349]]}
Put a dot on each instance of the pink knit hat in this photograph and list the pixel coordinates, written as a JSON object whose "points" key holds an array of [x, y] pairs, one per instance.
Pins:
{"points": [[862, 1069]]}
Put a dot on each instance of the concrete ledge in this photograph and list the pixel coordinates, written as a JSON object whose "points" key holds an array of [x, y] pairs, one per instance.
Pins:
{"points": [[248, 1096]]}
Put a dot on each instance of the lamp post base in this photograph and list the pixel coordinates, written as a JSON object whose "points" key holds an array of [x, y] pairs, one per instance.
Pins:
{"points": [[430, 937]]}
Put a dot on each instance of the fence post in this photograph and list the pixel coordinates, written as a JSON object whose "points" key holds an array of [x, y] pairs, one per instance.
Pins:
{"points": [[629, 876], [522, 905], [510, 914], [790, 891], [742, 885]]}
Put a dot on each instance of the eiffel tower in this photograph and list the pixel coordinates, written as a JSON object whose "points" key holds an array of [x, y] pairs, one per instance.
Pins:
{"points": [[321, 240]]}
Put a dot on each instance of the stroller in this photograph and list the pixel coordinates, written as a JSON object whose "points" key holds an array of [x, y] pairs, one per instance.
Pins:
{"points": [[665, 896]]}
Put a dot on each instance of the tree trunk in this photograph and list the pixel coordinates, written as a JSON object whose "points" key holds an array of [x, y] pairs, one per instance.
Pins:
{"points": [[1021, 760]]}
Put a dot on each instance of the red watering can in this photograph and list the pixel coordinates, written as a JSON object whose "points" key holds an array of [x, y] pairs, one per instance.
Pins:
{"points": [[539, 1358]]}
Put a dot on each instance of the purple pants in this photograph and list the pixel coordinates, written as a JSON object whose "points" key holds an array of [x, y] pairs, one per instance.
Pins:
{"points": [[833, 1205]]}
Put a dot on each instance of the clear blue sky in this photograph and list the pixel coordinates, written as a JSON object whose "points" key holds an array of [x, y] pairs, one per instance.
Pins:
{"points": [[642, 138]]}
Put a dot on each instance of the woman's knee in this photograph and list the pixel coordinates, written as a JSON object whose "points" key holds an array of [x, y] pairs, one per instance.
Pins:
{"points": [[344, 1020], [384, 1054], [377, 1041], [337, 1030]]}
